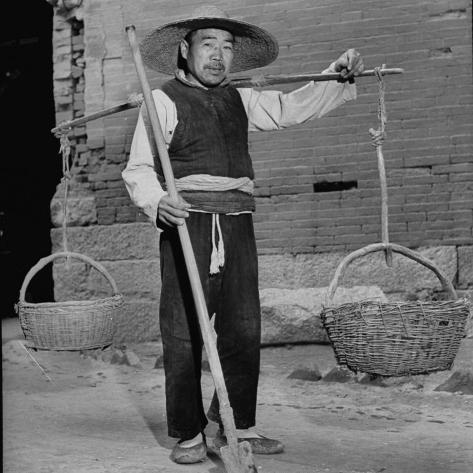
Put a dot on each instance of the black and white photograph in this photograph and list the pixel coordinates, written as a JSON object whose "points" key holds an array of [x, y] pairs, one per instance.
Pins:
{"points": [[237, 236]]}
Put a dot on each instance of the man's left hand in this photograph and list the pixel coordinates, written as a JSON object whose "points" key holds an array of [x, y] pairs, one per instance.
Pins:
{"points": [[349, 65]]}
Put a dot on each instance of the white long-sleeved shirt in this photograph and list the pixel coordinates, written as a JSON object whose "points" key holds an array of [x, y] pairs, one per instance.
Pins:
{"points": [[266, 110]]}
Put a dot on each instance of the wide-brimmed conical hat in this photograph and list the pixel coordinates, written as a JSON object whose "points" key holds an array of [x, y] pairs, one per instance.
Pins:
{"points": [[253, 47]]}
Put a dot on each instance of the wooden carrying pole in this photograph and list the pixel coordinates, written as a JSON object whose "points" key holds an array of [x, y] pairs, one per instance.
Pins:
{"points": [[263, 81], [291, 78], [236, 457]]}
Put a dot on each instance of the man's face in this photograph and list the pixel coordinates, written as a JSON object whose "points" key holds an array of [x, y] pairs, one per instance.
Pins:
{"points": [[209, 56]]}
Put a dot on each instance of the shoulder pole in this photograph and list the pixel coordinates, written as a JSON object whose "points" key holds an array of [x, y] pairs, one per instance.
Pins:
{"points": [[135, 100]]}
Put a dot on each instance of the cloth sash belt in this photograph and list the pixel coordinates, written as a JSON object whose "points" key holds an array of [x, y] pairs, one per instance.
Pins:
{"points": [[217, 194], [206, 182], [226, 202]]}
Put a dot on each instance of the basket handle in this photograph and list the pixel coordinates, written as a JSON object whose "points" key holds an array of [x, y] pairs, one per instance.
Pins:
{"points": [[65, 254], [446, 284]]}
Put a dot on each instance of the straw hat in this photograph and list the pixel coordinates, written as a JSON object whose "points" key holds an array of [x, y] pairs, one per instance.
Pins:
{"points": [[253, 47]]}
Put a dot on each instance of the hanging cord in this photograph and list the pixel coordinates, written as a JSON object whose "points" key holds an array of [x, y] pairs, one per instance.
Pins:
{"points": [[65, 150], [217, 258], [377, 138], [378, 135]]}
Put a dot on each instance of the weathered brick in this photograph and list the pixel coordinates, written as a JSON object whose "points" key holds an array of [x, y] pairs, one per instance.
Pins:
{"points": [[105, 216], [428, 147]]}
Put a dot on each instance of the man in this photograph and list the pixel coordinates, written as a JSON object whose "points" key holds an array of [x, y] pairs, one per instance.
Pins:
{"points": [[205, 122]]}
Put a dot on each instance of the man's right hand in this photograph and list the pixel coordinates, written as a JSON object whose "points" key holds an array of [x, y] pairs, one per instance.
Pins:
{"points": [[172, 212]]}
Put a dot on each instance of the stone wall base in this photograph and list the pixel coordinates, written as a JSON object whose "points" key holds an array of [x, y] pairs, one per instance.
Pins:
{"points": [[130, 252]]}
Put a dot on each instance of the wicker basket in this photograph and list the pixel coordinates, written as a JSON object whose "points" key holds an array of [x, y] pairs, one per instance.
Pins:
{"points": [[70, 325], [395, 339]]}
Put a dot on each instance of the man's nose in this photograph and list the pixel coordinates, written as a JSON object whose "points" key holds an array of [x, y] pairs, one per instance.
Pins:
{"points": [[217, 53]]}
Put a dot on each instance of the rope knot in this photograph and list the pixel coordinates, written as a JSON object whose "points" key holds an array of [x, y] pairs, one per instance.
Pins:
{"points": [[377, 137], [67, 176], [377, 71], [63, 127], [258, 80], [64, 143], [135, 99]]}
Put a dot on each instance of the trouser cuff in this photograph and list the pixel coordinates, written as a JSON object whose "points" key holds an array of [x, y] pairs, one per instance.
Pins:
{"points": [[185, 434]]}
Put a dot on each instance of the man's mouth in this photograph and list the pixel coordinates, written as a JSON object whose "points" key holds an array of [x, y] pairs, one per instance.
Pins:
{"points": [[215, 68]]}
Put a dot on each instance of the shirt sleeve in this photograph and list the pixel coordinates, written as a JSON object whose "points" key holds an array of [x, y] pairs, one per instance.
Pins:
{"points": [[275, 110], [139, 174]]}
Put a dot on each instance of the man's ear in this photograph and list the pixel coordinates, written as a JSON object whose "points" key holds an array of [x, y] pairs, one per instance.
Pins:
{"points": [[184, 47]]}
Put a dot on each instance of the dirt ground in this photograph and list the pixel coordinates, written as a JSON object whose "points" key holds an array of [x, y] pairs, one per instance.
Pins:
{"points": [[98, 417]]}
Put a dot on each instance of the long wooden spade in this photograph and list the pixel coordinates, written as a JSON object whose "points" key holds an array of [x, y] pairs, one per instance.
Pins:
{"points": [[237, 457]]}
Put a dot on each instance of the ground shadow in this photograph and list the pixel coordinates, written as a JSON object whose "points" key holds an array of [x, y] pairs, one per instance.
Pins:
{"points": [[153, 417]]}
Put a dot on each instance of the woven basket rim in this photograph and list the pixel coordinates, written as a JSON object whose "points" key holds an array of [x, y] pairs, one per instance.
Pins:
{"points": [[117, 297], [462, 300]]}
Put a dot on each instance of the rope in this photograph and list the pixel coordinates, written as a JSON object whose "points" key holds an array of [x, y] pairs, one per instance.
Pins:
{"points": [[377, 139], [377, 136], [65, 150], [217, 257]]}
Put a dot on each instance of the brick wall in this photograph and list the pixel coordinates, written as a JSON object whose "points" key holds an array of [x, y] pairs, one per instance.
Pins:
{"points": [[428, 150], [69, 84]]}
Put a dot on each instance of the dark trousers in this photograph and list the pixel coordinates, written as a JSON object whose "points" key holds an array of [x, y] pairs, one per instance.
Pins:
{"points": [[232, 295]]}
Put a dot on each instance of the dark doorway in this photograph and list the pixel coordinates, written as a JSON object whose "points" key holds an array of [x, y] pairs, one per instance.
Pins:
{"points": [[29, 164]]}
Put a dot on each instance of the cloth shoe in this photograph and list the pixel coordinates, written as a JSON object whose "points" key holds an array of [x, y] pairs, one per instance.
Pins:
{"points": [[260, 445], [187, 455]]}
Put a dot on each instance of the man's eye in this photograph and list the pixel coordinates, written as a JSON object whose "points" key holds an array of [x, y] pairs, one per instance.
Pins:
{"points": [[229, 48]]}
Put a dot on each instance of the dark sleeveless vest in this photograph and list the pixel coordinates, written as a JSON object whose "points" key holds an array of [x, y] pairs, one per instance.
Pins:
{"points": [[211, 137]]}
